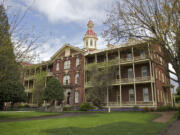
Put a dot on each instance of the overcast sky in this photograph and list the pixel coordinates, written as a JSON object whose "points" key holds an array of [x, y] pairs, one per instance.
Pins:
{"points": [[60, 21]]}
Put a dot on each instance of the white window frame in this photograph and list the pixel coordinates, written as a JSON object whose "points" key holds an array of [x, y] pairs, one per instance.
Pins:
{"points": [[57, 66], [76, 97], [156, 73], [145, 94], [144, 70], [77, 62], [131, 93], [66, 80], [77, 78], [67, 64], [163, 77]]}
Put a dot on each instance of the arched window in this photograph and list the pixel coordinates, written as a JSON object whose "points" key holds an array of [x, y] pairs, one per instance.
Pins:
{"points": [[91, 42], [77, 62], [77, 78], [66, 80]]}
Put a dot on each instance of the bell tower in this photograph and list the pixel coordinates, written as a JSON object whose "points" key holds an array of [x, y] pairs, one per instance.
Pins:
{"points": [[90, 37]]}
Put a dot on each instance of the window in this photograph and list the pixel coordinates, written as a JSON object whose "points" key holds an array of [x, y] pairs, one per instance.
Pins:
{"points": [[91, 42], [146, 95], [159, 75], [77, 62], [67, 64], [129, 56], [76, 97], [159, 48], [57, 66], [86, 43], [130, 73], [144, 71], [66, 80], [163, 77], [57, 77], [161, 61], [77, 78], [131, 95], [142, 54], [156, 73]]}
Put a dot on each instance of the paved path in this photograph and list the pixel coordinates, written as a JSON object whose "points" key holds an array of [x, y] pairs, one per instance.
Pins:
{"points": [[174, 129], [165, 116], [62, 115]]}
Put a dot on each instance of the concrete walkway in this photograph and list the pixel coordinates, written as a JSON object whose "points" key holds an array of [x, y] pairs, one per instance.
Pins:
{"points": [[174, 129], [165, 117]]}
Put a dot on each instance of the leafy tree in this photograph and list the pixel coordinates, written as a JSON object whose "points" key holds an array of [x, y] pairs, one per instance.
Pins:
{"points": [[100, 79], [148, 20], [53, 91], [39, 86], [12, 92]]}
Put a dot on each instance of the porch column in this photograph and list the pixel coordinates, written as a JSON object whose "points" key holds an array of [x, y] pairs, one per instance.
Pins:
{"points": [[95, 58], [152, 91], [134, 76], [107, 97], [120, 94], [28, 84]]}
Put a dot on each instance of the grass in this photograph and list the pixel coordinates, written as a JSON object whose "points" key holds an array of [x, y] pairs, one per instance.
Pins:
{"points": [[116, 123], [23, 114]]}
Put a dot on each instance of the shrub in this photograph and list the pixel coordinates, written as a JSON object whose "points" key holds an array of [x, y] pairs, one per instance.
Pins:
{"points": [[67, 108], [178, 99], [85, 107], [166, 108], [179, 113]]}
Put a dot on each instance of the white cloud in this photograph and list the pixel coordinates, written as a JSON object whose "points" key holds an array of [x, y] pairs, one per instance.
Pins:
{"points": [[71, 10]]}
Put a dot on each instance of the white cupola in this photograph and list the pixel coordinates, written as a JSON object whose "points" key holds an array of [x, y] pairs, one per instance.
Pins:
{"points": [[90, 38]]}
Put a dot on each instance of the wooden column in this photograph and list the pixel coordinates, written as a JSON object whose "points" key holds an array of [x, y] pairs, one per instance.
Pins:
{"points": [[120, 88], [95, 58], [134, 77], [107, 97], [152, 91]]}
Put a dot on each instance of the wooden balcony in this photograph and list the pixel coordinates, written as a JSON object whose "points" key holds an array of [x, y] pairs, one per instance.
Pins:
{"points": [[127, 81]]}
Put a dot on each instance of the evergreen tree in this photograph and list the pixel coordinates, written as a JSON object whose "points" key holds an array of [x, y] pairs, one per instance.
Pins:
{"points": [[53, 91], [9, 68]]}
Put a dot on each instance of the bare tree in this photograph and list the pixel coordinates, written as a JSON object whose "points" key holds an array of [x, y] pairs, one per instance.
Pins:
{"points": [[149, 20], [24, 40]]}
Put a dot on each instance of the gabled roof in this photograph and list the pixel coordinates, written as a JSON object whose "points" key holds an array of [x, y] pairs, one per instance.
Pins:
{"points": [[64, 46]]}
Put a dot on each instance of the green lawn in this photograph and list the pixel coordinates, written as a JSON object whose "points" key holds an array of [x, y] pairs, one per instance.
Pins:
{"points": [[13, 114], [123, 123]]}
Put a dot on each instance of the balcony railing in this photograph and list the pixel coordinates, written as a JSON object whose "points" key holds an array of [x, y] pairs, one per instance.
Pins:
{"points": [[140, 58], [123, 60], [126, 81]]}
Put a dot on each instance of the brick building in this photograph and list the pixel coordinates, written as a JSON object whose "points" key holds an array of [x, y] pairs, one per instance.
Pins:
{"points": [[142, 77]]}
